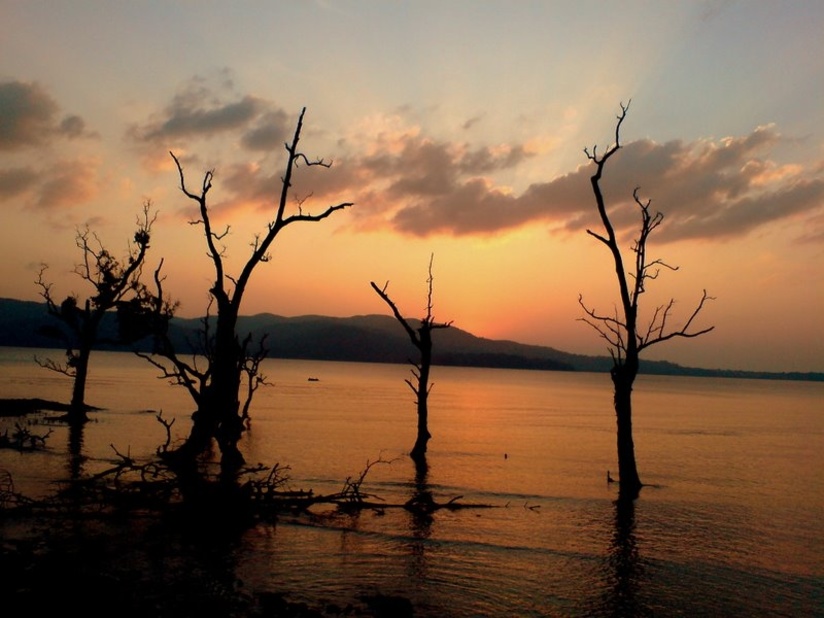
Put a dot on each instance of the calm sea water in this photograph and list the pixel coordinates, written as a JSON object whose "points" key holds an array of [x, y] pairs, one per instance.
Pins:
{"points": [[731, 522]]}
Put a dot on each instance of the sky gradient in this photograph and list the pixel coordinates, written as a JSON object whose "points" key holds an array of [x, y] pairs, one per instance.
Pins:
{"points": [[457, 129]]}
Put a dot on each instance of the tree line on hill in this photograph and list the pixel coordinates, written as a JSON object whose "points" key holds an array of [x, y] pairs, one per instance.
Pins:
{"points": [[363, 338]]}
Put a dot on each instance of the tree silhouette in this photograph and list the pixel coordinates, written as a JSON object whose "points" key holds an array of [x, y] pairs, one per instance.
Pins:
{"points": [[116, 285], [216, 387], [422, 339], [621, 330]]}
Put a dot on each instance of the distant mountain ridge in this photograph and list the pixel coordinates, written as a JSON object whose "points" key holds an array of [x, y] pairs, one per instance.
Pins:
{"points": [[363, 338]]}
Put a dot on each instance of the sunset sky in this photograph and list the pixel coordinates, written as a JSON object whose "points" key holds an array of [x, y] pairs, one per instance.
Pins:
{"points": [[457, 129]]}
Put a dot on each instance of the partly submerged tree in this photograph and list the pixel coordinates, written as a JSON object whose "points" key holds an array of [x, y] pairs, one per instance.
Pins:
{"points": [[421, 338], [194, 371], [621, 330], [216, 386], [116, 285]]}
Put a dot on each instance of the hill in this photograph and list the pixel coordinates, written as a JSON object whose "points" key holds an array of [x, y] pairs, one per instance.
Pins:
{"points": [[364, 338]]}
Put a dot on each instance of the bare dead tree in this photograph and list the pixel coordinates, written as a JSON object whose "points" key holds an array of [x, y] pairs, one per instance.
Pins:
{"points": [[194, 374], [116, 283], [421, 338], [621, 329], [218, 415], [254, 378], [187, 374]]}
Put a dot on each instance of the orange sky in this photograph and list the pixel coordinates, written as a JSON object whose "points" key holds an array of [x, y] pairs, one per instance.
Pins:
{"points": [[458, 130]]}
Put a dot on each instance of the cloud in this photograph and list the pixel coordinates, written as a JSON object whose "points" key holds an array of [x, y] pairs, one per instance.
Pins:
{"points": [[182, 120], [15, 182], [270, 130], [709, 189], [202, 109], [74, 126], [400, 168], [64, 184], [68, 183], [472, 122], [413, 184], [29, 117]]}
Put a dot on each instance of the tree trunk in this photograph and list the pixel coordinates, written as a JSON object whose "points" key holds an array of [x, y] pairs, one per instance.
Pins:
{"points": [[419, 450], [225, 386], [77, 408], [623, 377], [218, 414]]}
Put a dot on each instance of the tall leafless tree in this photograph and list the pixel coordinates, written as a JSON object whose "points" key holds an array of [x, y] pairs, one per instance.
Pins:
{"points": [[216, 386], [421, 338], [621, 330], [116, 284]]}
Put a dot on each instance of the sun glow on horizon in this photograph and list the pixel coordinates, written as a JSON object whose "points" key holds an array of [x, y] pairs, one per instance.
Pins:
{"points": [[456, 133]]}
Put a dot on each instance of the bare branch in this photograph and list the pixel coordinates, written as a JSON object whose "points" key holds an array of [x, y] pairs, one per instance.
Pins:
{"points": [[658, 334], [254, 378], [622, 333], [609, 328], [299, 156], [409, 330], [429, 320], [598, 236], [163, 448], [209, 234], [51, 365], [321, 216]]}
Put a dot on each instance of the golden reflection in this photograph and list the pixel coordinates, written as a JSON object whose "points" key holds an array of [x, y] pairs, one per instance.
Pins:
{"points": [[625, 572], [420, 521]]}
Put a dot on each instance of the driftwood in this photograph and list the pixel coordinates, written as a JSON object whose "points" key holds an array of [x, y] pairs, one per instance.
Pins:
{"points": [[23, 440], [351, 499], [154, 485]]}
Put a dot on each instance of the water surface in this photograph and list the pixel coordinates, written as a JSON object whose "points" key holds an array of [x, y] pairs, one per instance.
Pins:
{"points": [[730, 522]]}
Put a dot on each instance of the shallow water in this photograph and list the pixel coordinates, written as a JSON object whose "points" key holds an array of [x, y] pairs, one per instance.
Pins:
{"points": [[730, 522]]}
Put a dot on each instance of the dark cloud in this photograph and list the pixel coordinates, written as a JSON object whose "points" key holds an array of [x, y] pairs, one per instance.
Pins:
{"points": [[73, 126], [181, 120], [16, 182], [472, 122], [425, 167], [315, 186], [202, 110], [749, 212], [474, 207], [707, 189], [249, 183], [28, 117], [271, 130]]}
